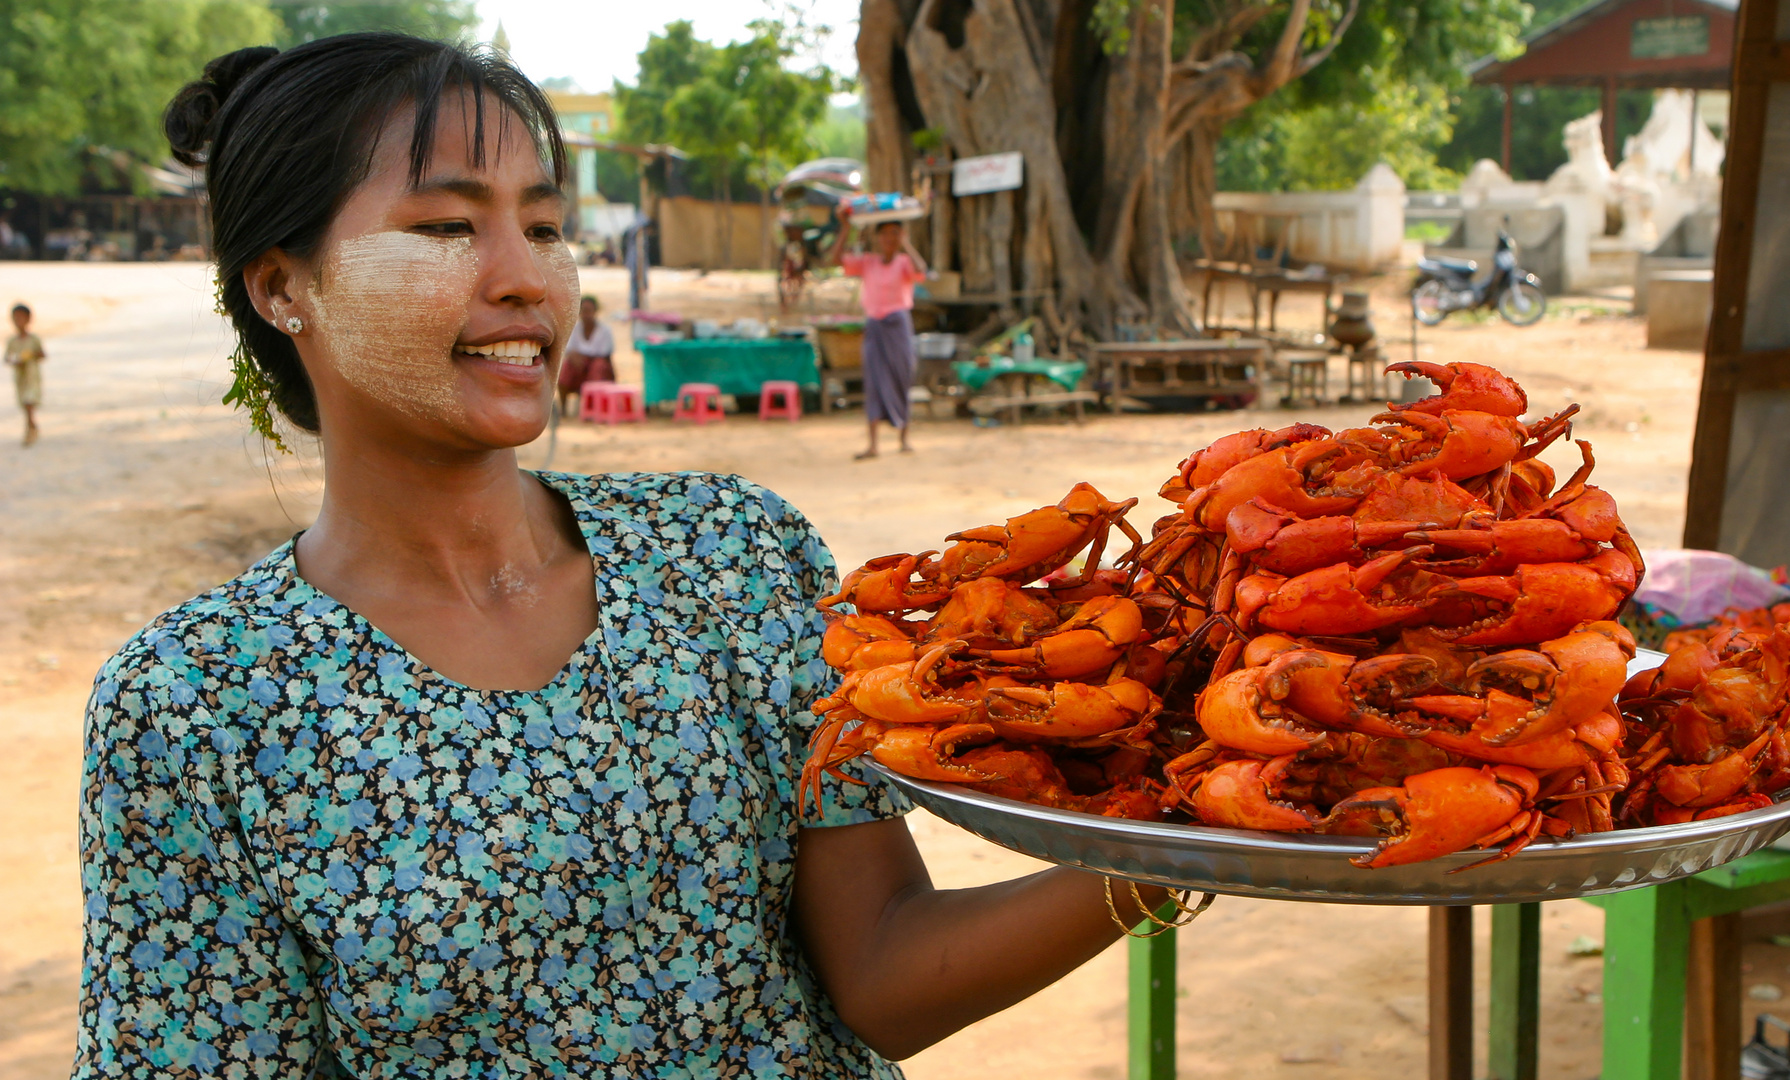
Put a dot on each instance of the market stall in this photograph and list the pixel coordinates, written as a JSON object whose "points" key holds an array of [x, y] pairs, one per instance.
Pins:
{"points": [[738, 366]]}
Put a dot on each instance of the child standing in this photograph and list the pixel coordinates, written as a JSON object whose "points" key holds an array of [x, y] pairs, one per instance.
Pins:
{"points": [[25, 355]]}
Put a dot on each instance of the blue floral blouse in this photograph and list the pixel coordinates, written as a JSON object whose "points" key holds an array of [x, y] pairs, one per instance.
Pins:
{"points": [[304, 853]]}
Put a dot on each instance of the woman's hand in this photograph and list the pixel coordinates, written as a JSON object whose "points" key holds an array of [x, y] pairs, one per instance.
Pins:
{"points": [[906, 964]]}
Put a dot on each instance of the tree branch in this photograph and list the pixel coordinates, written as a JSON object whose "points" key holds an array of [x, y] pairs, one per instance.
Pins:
{"points": [[1319, 56], [1284, 60], [1226, 31]]}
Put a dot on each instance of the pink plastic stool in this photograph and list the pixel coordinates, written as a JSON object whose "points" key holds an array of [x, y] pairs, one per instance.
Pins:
{"points": [[623, 404], [788, 404], [591, 403], [699, 402]]}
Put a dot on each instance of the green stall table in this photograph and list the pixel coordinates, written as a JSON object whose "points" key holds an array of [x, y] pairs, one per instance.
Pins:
{"points": [[1677, 945], [736, 365], [1671, 978]]}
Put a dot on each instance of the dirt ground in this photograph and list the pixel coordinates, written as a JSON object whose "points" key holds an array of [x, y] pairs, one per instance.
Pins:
{"points": [[144, 490]]}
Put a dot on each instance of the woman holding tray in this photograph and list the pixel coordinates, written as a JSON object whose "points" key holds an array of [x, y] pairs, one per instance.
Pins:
{"points": [[487, 773]]}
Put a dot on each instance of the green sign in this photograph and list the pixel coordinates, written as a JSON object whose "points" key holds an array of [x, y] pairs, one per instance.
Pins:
{"points": [[1676, 35]]}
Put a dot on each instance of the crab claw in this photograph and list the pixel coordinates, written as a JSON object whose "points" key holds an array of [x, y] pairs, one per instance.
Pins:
{"points": [[1707, 785], [1542, 601], [1465, 386], [1237, 795], [1566, 680], [1437, 812], [927, 753], [1336, 600], [1069, 710], [1237, 711]]}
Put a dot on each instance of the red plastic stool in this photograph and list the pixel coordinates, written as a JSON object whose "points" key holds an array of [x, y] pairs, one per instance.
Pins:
{"points": [[699, 402], [591, 402], [623, 404], [788, 404]]}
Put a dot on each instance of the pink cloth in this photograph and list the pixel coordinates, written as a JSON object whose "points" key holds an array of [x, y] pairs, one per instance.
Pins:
{"points": [[888, 286]]}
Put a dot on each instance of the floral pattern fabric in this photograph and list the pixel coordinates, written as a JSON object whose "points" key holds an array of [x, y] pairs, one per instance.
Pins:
{"points": [[307, 854]]}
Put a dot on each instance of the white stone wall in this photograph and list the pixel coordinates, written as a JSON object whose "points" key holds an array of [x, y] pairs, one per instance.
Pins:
{"points": [[1359, 229]]}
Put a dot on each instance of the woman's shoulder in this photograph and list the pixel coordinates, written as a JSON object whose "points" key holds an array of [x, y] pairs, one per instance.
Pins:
{"points": [[224, 629], [668, 497], [709, 516]]}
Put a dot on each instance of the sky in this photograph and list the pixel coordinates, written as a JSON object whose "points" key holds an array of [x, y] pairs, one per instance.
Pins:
{"points": [[595, 41]]}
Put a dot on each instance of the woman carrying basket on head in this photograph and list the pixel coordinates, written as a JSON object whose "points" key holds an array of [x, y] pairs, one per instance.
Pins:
{"points": [[889, 273]]}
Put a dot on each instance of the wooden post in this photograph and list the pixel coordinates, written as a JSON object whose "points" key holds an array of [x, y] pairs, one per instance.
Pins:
{"points": [[1610, 153], [1712, 999], [1451, 993], [1516, 992], [1504, 143], [1723, 367]]}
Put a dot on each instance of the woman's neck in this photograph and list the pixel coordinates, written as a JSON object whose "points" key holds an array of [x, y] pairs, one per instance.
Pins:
{"points": [[394, 520]]}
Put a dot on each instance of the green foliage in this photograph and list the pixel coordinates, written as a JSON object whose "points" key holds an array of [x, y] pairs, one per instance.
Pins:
{"points": [[670, 60], [83, 82], [742, 110], [1328, 146], [1389, 91], [840, 133], [1537, 146], [1111, 20], [443, 20], [618, 177]]}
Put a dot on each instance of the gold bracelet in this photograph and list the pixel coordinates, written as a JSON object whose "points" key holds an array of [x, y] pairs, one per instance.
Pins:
{"points": [[1187, 914]]}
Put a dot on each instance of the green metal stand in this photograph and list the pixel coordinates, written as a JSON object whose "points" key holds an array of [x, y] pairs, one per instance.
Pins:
{"points": [[1151, 1025], [1647, 934], [1511, 1041]]}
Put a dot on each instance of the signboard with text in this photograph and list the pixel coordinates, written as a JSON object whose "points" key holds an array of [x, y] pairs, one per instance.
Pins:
{"points": [[990, 172], [1661, 39]]}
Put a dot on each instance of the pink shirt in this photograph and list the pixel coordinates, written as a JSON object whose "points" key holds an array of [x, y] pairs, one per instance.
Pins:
{"points": [[888, 286]]}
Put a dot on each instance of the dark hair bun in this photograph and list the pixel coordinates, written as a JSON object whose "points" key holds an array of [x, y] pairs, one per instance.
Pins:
{"points": [[187, 123]]}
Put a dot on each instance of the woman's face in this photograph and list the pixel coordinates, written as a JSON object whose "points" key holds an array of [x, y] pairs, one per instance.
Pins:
{"points": [[440, 311], [888, 239]]}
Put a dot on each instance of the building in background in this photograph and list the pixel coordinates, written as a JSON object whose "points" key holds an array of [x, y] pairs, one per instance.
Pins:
{"points": [[593, 116]]}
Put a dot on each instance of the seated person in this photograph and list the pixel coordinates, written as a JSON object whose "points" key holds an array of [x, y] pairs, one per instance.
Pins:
{"points": [[587, 355]]}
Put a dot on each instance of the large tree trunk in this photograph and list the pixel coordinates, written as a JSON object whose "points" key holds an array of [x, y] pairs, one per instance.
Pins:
{"points": [[1118, 148], [983, 85], [888, 142]]}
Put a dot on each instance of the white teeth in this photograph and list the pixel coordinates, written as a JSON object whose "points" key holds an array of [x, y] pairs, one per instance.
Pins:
{"points": [[517, 353]]}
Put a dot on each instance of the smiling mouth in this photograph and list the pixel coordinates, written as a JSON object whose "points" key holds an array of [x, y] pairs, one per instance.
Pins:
{"points": [[523, 353]]}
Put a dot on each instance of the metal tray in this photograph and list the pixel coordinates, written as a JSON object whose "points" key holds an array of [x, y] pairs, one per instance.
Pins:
{"points": [[1293, 866]]}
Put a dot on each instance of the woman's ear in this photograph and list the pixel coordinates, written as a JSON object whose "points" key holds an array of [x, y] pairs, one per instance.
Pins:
{"points": [[277, 285]]}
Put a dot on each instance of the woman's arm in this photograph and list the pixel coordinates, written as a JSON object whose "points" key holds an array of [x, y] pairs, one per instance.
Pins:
{"points": [[906, 964], [907, 245], [844, 233]]}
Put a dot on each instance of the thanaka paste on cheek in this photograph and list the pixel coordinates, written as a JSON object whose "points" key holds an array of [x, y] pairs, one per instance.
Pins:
{"points": [[561, 271], [389, 307]]}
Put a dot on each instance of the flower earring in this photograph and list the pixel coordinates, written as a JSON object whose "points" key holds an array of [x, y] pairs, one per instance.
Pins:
{"points": [[294, 324]]}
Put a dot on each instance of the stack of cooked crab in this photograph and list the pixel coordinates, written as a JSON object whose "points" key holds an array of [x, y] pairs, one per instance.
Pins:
{"points": [[1399, 631]]}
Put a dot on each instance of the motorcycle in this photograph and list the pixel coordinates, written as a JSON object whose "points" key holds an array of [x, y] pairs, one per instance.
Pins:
{"points": [[1445, 285]]}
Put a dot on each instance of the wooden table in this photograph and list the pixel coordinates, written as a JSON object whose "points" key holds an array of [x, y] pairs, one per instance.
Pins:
{"points": [[1307, 375], [1278, 282], [1205, 368]]}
